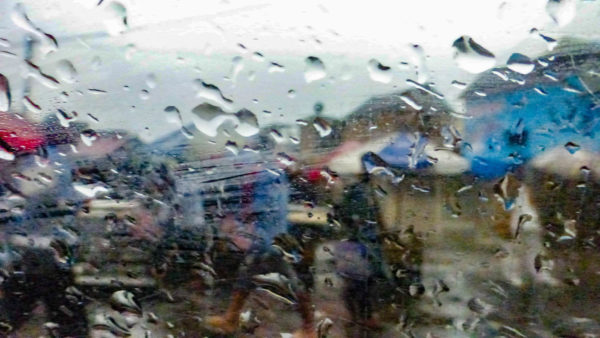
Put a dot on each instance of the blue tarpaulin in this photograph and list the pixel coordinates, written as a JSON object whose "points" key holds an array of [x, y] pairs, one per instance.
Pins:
{"points": [[405, 151], [509, 127]]}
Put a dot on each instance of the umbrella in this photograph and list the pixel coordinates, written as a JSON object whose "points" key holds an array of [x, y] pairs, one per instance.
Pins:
{"points": [[515, 118], [400, 151], [18, 134]]}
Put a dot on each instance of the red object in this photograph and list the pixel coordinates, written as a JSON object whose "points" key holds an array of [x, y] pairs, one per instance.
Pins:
{"points": [[19, 134], [314, 175]]}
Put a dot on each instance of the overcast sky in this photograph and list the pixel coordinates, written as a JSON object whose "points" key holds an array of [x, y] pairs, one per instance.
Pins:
{"points": [[182, 41]]}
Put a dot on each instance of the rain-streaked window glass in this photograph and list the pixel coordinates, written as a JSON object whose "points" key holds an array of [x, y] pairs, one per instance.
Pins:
{"points": [[228, 168]]}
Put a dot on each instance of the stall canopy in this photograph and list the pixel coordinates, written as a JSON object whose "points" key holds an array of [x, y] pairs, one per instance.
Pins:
{"points": [[512, 118]]}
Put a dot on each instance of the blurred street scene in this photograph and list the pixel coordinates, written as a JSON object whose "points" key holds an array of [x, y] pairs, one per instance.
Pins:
{"points": [[152, 190]]}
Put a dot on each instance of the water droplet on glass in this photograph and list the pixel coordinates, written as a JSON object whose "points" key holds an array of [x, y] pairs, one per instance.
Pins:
{"points": [[275, 67], [31, 70], [186, 132], [380, 192], [572, 147], [93, 118], [91, 190], [542, 263], [64, 96], [426, 88], [151, 81], [403, 65], [88, 136], [8, 54], [416, 289], [323, 327], [4, 94], [258, 57], [318, 108], [6, 155], [451, 136], [236, 68], [125, 301], [550, 42], [471, 56], [152, 318], [561, 11], [291, 93], [173, 115], [114, 323], [410, 102], [31, 106], [518, 80], [208, 118], [65, 118], [285, 159], [440, 287], [232, 147], [585, 171], [251, 75], [212, 94], [144, 94], [277, 136], [315, 69], [379, 72], [66, 71], [322, 126], [96, 91], [346, 73], [524, 218], [420, 188], [479, 306], [502, 75], [96, 63], [47, 44], [130, 50], [250, 149], [275, 285], [458, 84], [520, 63], [419, 59], [570, 89], [247, 123], [116, 18]]}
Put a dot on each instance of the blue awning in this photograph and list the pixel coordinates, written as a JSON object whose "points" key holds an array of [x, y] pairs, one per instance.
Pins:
{"points": [[510, 128]]}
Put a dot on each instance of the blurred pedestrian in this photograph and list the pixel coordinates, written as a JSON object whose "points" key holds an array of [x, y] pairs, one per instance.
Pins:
{"points": [[255, 229]]}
